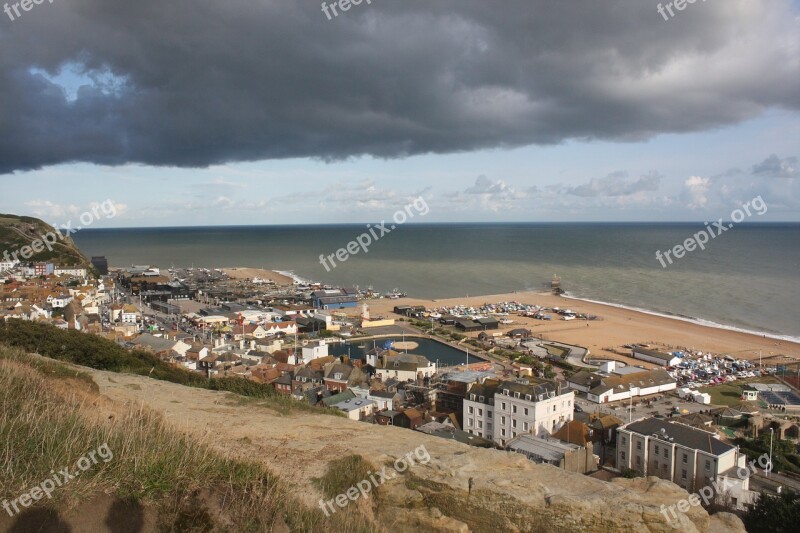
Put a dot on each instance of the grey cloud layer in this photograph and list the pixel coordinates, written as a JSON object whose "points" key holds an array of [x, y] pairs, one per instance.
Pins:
{"points": [[211, 82]]}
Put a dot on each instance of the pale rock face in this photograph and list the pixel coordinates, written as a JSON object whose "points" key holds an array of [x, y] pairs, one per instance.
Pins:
{"points": [[509, 493]]}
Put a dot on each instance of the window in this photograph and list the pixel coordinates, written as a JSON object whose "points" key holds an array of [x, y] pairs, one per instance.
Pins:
{"points": [[480, 412], [657, 450], [683, 474], [472, 397], [685, 458], [513, 408], [489, 414], [526, 411], [554, 424], [525, 426], [503, 406], [638, 461], [514, 434], [664, 468], [488, 427], [554, 408], [502, 420], [469, 422], [480, 424], [622, 455], [470, 410], [516, 395], [666, 453], [639, 445], [708, 465], [655, 465], [528, 397], [481, 398], [514, 423], [503, 432], [623, 442]]}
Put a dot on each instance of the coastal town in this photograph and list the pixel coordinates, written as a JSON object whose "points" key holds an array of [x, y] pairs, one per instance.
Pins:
{"points": [[508, 374]]}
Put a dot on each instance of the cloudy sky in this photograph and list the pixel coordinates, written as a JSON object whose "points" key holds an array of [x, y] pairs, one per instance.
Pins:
{"points": [[187, 112]]}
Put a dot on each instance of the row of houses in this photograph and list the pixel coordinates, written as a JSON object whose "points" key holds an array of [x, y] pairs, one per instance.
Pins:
{"points": [[611, 384]]}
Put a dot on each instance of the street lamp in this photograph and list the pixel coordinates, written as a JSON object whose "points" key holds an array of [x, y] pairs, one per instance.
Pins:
{"points": [[771, 432]]}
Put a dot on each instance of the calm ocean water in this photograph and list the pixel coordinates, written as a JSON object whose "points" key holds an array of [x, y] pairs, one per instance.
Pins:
{"points": [[747, 278]]}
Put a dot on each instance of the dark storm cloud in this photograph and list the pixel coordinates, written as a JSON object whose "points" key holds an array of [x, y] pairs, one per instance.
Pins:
{"points": [[775, 167], [215, 81]]}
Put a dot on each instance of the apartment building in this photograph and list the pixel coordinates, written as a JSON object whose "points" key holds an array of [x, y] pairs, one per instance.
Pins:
{"points": [[501, 410], [687, 456]]}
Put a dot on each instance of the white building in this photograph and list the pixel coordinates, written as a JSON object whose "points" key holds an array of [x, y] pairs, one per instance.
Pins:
{"points": [[654, 356], [400, 366], [314, 350], [689, 457], [356, 408], [501, 410], [60, 301], [70, 271], [8, 265], [614, 385]]}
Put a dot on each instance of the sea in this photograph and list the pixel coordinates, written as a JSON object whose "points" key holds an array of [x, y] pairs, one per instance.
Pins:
{"points": [[747, 278]]}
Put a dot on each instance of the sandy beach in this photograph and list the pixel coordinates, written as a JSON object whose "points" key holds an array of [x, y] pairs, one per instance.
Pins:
{"points": [[616, 327], [250, 273]]}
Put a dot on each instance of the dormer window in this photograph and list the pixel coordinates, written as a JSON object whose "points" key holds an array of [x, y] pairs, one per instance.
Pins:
{"points": [[516, 395], [528, 397], [481, 398]]}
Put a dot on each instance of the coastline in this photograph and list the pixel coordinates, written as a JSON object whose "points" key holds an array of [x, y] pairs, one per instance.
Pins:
{"points": [[618, 326], [689, 319]]}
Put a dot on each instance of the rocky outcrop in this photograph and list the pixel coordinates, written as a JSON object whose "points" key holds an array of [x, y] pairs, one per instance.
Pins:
{"points": [[508, 492]]}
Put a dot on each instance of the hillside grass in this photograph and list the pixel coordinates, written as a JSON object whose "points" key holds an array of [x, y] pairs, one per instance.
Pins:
{"points": [[42, 430], [102, 354]]}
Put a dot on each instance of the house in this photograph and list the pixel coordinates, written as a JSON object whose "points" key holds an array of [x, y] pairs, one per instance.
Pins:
{"points": [[356, 408], [569, 457], [615, 385], [306, 378], [387, 418], [77, 272], [195, 353], [280, 328], [465, 324], [488, 323], [689, 457], [218, 363], [409, 310], [43, 269], [410, 419], [334, 298], [501, 410], [520, 333], [130, 314], [283, 384], [160, 345], [338, 376], [654, 356], [333, 399], [575, 432], [401, 366], [60, 301], [314, 350], [385, 400]]}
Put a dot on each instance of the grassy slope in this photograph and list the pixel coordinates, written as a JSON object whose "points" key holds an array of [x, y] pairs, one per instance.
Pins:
{"points": [[16, 232], [42, 429], [102, 354]]}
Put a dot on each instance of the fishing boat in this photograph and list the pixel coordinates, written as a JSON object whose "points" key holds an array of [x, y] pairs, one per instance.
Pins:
{"points": [[394, 294]]}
